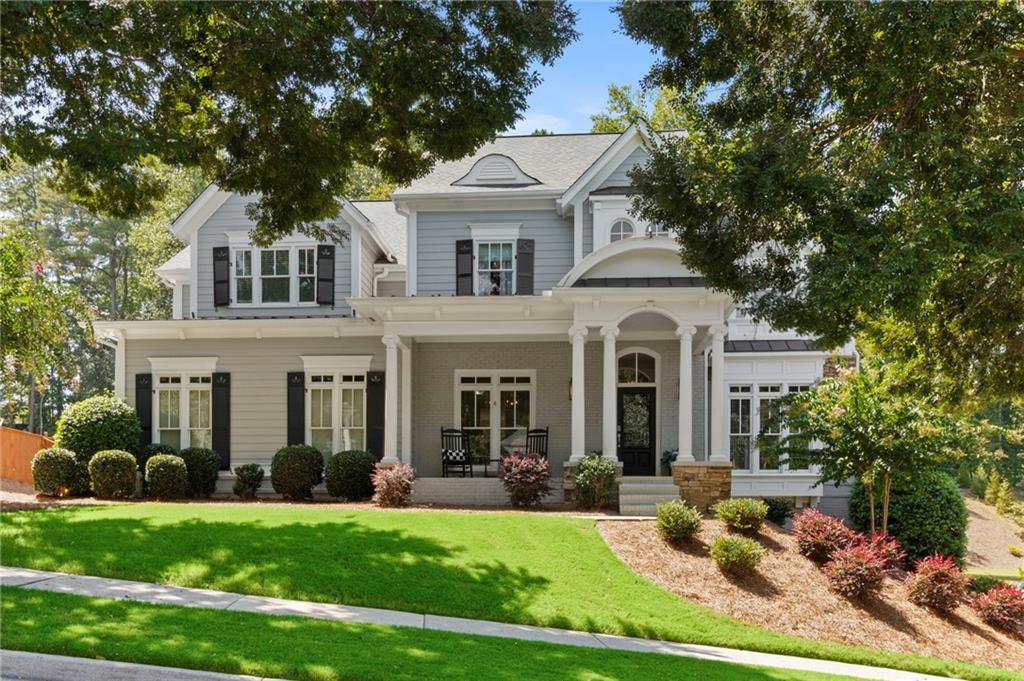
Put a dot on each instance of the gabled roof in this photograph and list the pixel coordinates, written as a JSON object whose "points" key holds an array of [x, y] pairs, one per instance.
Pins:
{"points": [[177, 266], [610, 158], [390, 225]]}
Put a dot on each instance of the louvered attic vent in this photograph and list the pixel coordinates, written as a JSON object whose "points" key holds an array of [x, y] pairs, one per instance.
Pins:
{"points": [[495, 170]]}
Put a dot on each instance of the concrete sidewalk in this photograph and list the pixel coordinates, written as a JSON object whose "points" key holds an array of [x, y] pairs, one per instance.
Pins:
{"points": [[145, 592], [20, 666]]}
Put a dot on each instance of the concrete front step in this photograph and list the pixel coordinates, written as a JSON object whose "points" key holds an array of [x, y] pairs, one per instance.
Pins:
{"points": [[640, 495]]}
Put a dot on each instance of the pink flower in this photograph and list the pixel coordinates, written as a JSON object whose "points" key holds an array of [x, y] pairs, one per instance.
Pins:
{"points": [[37, 268]]}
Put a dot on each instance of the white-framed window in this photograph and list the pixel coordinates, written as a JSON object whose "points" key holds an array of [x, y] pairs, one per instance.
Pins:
{"points": [[770, 427], [621, 229], [243, 276], [183, 409], [496, 408], [739, 426], [656, 230], [495, 268], [307, 274], [275, 280], [336, 411], [283, 275], [755, 416]]}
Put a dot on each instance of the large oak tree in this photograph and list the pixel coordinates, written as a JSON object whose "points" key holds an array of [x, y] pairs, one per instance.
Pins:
{"points": [[279, 99], [861, 170]]}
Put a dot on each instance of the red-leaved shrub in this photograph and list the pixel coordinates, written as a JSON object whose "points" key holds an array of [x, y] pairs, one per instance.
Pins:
{"points": [[854, 570], [525, 478], [392, 485], [819, 535], [938, 583], [887, 548], [1001, 606]]}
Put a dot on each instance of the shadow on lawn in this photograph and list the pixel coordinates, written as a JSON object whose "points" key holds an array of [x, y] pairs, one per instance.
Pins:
{"points": [[341, 561]]}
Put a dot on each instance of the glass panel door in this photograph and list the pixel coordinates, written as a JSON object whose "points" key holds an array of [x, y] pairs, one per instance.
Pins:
{"points": [[169, 411], [475, 411], [353, 431], [199, 432], [321, 419], [515, 420]]}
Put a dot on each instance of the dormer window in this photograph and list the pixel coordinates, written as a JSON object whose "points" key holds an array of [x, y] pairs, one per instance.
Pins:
{"points": [[621, 229], [280, 276]]}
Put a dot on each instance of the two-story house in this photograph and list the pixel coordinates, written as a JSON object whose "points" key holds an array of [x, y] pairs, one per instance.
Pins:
{"points": [[507, 291]]}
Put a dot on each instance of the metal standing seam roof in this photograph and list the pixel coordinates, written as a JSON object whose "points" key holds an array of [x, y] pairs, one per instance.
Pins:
{"points": [[640, 282], [778, 345]]}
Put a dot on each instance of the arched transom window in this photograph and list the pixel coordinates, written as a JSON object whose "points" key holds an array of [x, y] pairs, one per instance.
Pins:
{"points": [[637, 367], [621, 229]]}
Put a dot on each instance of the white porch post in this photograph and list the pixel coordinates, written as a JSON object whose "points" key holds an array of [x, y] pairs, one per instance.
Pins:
{"points": [[609, 384], [390, 400], [120, 379], [719, 451], [578, 335], [685, 441], [406, 404]]}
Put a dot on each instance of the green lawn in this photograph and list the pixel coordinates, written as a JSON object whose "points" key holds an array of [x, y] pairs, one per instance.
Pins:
{"points": [[295, 648], [531, 569], [1012, 576]]}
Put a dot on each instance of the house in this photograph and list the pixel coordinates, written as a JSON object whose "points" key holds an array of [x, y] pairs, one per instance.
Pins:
{"points": [[509, 290]]}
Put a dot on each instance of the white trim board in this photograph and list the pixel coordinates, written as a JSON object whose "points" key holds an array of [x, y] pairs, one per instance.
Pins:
{"points": [[162, 365], [330, 363]]}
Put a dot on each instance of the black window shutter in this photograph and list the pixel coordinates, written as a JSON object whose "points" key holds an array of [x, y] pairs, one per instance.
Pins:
{"points": [[221, 398], [524, 267], [144, 407], [464, 267], [296, 408], [221, 277], [325, 275], [375, 413]]}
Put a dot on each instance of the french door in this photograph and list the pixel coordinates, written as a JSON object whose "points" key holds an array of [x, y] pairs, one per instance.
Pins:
{"points": [[496, 410]]}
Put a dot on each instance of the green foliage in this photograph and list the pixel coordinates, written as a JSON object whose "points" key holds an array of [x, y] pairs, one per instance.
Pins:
{"points": [[98, 423], [677, 521], [741, 514], [736, 555], [1005, 499], [295, 470], [202, 465], [992, 487], [982, 583], [927, 514], [152, 449], [594, 482], [346, 86], [979, 481], [347, 475], [248, 478], [112, 473], [877, 148], [54, 471], [626, 107], [167, 477], [780, 510]]}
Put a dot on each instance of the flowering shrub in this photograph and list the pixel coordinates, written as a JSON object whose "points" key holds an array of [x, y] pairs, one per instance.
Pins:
{"points": [[1001, 606], [819, 536], [887, 548], [938, 583], [677, 521], [742, 515], [736, 554], [525, 479], [393, 484], [854, 570]]}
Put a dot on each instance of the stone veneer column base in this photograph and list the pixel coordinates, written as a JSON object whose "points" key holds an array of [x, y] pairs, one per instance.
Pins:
{"points": [[702, 483], [569, 485]]}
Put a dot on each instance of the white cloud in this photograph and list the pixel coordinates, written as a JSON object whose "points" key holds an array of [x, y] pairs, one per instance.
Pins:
{"points": [[532, 121]]}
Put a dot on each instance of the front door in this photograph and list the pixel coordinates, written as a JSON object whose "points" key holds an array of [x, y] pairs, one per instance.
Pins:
{"points": [[636, 430]]}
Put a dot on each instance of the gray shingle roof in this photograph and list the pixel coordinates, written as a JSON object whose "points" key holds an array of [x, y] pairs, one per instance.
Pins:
{"points": [[782, 345], [182, 260], [556, 161], [389, 222], [641, 282]]}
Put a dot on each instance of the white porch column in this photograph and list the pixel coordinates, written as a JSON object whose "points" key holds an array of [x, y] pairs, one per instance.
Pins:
{"points": [[120, 379], [609, 439], [406, 404], [390, 400], [685, 440], [578, 449], [718, 451]]}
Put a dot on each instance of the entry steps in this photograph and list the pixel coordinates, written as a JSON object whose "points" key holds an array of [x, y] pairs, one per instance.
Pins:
{"points": [[639, 495]]}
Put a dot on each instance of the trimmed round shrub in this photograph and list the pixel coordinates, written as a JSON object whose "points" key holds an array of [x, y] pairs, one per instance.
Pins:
{"points": [[248, 479], [526, 479], [927, 515], [54, 471], [780, 510], [736, 555], [347, 475], [295, 470], [938, 583], [112, 473], [854, 570], [677, 521], [1001, 606], [887, 548], [152, 449], [98, 423], [818, 536], [742, 515], [392, 485], [202, 465], [167, 477], [594, 482]]}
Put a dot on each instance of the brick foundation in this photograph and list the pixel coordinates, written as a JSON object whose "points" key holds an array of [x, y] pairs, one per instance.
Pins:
{"points": [[703, 483]]}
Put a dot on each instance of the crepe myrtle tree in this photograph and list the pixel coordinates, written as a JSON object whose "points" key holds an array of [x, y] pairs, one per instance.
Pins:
{"points": [[852, 168], [278, 99], [855, 426]]}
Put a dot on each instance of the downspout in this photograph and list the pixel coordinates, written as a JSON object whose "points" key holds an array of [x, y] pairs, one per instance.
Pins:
{"points": [[378, 276]]}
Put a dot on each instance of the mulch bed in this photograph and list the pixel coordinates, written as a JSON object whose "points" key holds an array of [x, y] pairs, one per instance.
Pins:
{"points": [[790, 595]]}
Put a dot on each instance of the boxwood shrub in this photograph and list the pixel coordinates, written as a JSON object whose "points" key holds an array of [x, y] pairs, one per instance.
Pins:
{"points": [[248, 479], [167, 477], [54, 471], [677, 521], [740, 514], [347, 475], [98, 423], [152, 449], [927, 515], [112, 473], [295, 470], [202, 466], [736, 555]]}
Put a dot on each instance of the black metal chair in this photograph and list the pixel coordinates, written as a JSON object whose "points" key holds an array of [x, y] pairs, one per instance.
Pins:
{"points": [[537, 441], [455, 455]]}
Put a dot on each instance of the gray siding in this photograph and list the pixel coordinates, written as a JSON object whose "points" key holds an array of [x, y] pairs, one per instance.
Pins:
{"points": [[186, 300], [231, 217], [619, 177], [835, 500], [436, 234], [371, 253], [588, 229]]}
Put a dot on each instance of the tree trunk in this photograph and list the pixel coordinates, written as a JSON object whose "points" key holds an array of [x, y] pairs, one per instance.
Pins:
{"points": [[886, 485], [869, 489], [31, 403]]}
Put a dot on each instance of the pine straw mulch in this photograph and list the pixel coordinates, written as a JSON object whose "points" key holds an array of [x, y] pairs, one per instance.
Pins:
{"points": [[790, 595]]}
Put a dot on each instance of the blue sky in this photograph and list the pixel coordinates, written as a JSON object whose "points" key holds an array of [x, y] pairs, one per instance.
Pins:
{"points": [[577, 84]]}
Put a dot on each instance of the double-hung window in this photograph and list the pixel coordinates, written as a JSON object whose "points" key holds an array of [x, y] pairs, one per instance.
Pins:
{"points": [[739, 426], [243, 276], [495, 267], [275, 281], [307, 274], [769, 415], [184, 410], [755, 426], [281, 275]]}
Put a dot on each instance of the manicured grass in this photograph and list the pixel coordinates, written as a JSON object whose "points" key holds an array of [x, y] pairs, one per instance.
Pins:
{"points": [[294, 648], [1012, 576], [531, 569]]}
